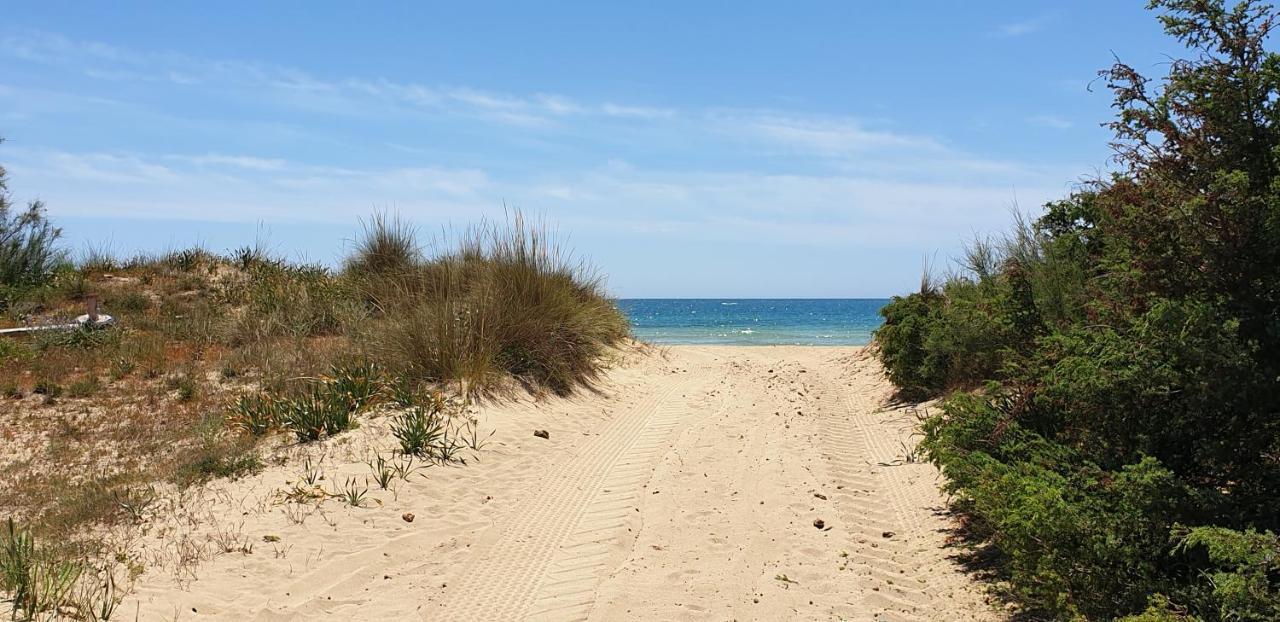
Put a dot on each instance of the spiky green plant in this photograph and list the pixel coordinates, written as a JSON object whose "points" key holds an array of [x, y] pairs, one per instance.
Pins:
{"points": [[255, 414], [36, 581], [359, 382], [318, 411], [419, 430]]}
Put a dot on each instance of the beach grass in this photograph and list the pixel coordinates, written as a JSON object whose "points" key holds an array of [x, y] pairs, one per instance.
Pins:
{"points": [[214, 358]]}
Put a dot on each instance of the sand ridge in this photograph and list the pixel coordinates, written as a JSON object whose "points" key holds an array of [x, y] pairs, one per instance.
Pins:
{"points": [[687, 487]]}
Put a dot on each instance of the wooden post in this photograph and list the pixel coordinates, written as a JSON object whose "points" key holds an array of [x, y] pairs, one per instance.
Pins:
{"points": [[91, 308]]}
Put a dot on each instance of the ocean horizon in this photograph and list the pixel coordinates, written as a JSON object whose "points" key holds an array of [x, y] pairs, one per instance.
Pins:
{"points": [[754, 321]]}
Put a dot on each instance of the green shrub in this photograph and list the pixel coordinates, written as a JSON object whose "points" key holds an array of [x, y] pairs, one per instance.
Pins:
{"points": [[1122, 353], [1078, 540], [1244, 578], [908, 323]]}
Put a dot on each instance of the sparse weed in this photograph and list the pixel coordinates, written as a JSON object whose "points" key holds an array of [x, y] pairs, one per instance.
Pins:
{"points": [[98, 258], [248, 257], [121, 367], [97, 595], [84, 388], [128, 302], [187, 260], [136, 502], [383, 473], [228, 371], [218, 457], [233, 540], [449, 449], [470, 435], [404, 467], [11, 349], [184, 386], [910, 452], [311, 474], [85, 338], [353, 494], [50, 390]]}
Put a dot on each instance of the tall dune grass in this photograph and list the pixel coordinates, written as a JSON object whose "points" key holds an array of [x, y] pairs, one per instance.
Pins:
{"points": [[504, 300]]}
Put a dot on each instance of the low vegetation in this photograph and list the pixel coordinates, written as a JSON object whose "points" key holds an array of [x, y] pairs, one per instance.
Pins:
{"points": [[506, 303], [1111, 430], [216, 358]]}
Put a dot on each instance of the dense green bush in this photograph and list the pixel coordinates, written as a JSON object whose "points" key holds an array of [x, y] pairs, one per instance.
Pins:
{"points": [[1119, 443]]}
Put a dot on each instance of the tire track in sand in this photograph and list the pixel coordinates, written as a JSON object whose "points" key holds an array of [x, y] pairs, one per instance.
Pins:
{"points": [[872, 505], [545, 559]]}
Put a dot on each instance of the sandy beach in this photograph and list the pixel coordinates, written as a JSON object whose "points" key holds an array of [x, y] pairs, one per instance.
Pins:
{"points": [[696, 482]]}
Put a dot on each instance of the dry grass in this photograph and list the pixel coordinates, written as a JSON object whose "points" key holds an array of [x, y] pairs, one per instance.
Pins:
{"points": [[504, 302], [214, 356]]}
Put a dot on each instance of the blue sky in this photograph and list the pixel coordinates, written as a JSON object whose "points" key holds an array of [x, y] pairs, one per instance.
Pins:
{"points": [[717, 149]]}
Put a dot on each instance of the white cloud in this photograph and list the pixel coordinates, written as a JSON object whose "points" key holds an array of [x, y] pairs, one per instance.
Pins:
{"points": [[741, 206], [1050, 121], [832, 136], [641, 112], [1026, 26], [107, 63], [238, 161], [774, 175]]}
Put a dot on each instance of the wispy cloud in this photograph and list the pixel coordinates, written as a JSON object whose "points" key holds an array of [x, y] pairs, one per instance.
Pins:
{"points": [[307, 148], [1050, 121], [235, 161], [639, 112], [1026, 26], [826, 135], [107, 63], [799, 208]]}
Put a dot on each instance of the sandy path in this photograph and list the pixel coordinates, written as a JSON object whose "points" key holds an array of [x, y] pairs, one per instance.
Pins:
{"points": [[687, 489]]}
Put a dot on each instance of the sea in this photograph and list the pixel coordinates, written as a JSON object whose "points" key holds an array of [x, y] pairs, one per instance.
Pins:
{"points": [[789, 321]]}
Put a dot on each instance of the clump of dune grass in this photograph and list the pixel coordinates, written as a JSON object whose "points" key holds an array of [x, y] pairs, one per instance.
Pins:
{"points": [[503, 301], [387, 244]]}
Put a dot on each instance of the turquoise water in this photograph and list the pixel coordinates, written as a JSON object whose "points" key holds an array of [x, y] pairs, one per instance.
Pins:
{"points": [[825, 322]]}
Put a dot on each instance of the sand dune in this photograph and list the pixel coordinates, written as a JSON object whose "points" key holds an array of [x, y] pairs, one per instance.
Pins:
{"points": [[687, 488]]}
